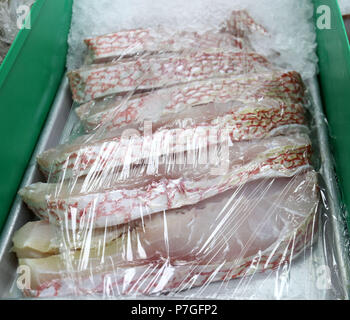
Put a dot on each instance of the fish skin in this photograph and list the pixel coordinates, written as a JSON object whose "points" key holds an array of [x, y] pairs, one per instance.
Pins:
{"points": [[126, 43], [191, 131], [241, 24], [145, 73], [284, 88], [104, 202], [273, 221]]}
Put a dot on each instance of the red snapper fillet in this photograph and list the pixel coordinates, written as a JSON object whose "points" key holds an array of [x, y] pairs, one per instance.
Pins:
{"points": [[105, 200], [192, 131], [128, 43], [114, 112], [258, 226], [138, 41], [145, 73]]}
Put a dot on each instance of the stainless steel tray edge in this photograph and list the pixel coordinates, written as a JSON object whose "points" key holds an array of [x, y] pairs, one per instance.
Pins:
{"points": [[340, 233], [19, 213]]}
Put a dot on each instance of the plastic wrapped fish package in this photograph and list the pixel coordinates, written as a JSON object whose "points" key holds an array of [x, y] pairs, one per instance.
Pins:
{"points": [[191, 172]]}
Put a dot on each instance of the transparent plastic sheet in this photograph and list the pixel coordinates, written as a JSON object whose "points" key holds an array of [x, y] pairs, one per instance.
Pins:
{"points": [[192, 172]]}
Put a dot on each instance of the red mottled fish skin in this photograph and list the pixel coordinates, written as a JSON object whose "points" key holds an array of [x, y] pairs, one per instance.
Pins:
{"points": [[126, 43], [241, 24], [192, 131], [105, 200], [281, 89], [152, 72]]}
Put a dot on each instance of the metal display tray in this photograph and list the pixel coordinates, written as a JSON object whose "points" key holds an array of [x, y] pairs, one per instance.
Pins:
{"points": [[334, 235]]}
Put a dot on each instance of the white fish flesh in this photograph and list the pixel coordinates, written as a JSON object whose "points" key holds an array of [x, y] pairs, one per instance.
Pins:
{"points": [[262, 225]]}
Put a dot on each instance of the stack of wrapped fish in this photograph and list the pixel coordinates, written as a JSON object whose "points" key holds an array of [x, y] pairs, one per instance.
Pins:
{"points": [[194, 167]]}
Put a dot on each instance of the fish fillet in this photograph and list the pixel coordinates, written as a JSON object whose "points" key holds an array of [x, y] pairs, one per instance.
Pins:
{"points": [[138, 41], [114, 112], [261, 225], [39, 239], [193, 131], [127, 43], [106, 201], [146, 73]]}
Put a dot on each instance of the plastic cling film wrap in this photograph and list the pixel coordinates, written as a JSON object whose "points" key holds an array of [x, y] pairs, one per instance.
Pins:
{"points": [[116, 111], [190, 173], [185, 247]]}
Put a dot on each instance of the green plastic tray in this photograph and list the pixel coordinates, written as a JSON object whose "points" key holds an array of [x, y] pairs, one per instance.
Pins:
{"points": [[334, 63], [29, 78], [33, 69]]}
